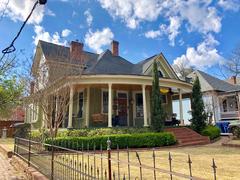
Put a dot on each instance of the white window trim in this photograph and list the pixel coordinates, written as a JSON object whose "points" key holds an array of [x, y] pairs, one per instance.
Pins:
{"points": [[80, 91], [134, 106], [166, 99], [103, 90], [32, 113]]}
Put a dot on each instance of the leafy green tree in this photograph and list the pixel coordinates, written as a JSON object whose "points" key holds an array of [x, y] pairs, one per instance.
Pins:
{"points": [[199, 115], [10, 93], [157, 113]]}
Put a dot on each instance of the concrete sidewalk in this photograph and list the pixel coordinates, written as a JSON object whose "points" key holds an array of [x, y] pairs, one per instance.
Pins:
{"points": [[8, 172]]}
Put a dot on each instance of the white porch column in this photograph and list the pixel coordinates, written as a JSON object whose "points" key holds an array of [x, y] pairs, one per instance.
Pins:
{"points": [[109, 105], [144, 105], [87, 106], [70, 107], [180, 107]]}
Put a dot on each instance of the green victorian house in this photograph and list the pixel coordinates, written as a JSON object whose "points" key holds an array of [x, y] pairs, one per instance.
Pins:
{"points": [[109, 91]]}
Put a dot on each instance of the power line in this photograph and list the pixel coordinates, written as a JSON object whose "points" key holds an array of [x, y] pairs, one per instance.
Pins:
{"points": [[11, 48]]}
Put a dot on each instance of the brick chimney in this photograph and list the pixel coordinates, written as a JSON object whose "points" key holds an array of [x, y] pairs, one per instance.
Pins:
{"points": [[76, 49], [32, 86], [114, 45], [233, 80]]}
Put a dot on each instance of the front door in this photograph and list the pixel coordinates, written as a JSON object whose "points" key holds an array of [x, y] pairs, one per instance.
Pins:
{"points": [[122, 108]]}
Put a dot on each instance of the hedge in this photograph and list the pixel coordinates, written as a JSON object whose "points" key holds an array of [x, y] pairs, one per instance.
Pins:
{"points": [[105, 131], [87, 132], [212, 131], [122, 140]]}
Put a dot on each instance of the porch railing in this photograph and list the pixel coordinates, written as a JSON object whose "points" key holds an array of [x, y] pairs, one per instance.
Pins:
{"points": [[62, 163], [230, 115]]}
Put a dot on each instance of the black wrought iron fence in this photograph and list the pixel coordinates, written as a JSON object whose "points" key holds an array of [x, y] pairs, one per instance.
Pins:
{"points": [[62, 163]]}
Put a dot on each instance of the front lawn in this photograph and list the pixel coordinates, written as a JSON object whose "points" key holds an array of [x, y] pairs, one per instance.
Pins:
{"points": [[235, 142], [227, 160]]}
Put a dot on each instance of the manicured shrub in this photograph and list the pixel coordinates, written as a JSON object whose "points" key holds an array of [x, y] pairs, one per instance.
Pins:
{"points": [[212, 131], [122, 140], [102, 131], [22, 130], [37, 134], [77, 133], [236, 132]]}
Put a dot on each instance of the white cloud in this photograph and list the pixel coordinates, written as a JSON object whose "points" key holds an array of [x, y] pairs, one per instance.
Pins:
{"points": [[200, 16], [74, 13], [96, 40], [133, 12], [152, 34], [233, 5], [41, 34], [172, 30], [66, 32], [205, 55], [89, 17], [18, 10], [50, 12]]}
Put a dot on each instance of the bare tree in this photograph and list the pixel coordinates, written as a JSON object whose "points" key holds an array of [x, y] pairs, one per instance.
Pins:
{"points": [[182, 70], [231, 67], [51, 96], [54, 106]]}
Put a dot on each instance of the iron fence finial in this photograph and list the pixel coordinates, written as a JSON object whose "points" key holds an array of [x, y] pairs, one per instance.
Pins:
{"points": [[108, 144]]}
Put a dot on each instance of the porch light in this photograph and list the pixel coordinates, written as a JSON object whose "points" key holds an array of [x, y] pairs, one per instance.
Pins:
{"points": [[164, 90]]}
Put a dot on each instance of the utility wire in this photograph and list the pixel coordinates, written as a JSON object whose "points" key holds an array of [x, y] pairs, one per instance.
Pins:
{"points": [[11, 48]]}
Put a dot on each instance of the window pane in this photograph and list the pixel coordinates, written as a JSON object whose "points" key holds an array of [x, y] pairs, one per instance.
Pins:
{"points": [[164, 98], [80, 103], [139, 105], [105, 101]]}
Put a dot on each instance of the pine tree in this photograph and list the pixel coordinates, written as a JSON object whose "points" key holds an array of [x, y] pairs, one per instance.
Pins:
{"points": [[199, 116], [157, 113]]}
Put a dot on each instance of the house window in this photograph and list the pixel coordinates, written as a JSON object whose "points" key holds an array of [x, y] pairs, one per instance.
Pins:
{"points": [[160, 74], [104, 101], [80, 104], [224, 105], [232, 103], [139, 105], [164, 98]]}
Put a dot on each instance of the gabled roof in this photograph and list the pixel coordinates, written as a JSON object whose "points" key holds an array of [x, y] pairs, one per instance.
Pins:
{"points": [[210, 83], [104, 63]]}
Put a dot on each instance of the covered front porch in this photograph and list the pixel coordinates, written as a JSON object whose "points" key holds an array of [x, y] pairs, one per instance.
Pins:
{"points": [[229, 106], [114, 101]]}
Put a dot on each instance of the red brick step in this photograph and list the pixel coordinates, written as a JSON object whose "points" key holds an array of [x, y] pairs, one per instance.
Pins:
{"points": [[188, 137]]}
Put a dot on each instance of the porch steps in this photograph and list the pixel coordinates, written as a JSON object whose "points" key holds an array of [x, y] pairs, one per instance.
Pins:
{"points": [[188, 137]]}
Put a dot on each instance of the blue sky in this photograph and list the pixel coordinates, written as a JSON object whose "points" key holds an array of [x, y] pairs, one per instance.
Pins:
{"points": [[195, 33]]}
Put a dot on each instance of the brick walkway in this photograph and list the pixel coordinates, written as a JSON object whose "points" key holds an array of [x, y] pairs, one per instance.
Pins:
{"points": [[7, 172]]}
